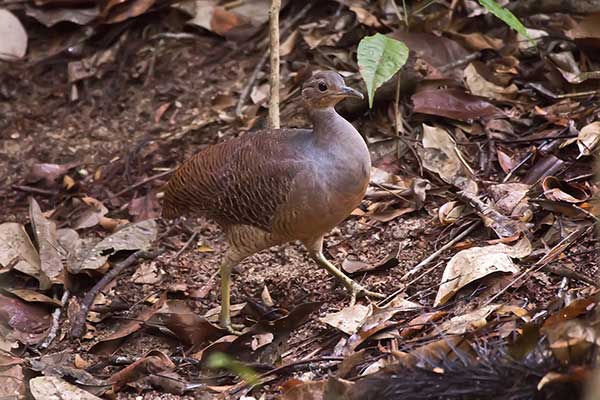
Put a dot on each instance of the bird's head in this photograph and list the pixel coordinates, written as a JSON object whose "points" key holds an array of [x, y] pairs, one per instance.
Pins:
{"points": [[325, 89]]}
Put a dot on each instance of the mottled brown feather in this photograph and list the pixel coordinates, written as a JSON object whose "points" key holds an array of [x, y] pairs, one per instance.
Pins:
{"points": [[239, 181]]}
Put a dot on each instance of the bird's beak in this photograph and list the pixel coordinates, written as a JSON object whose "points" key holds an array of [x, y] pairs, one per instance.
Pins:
{"points": [[347, 91]]}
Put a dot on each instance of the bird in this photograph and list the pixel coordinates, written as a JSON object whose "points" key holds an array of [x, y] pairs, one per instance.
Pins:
{"points": [[274, 186]]}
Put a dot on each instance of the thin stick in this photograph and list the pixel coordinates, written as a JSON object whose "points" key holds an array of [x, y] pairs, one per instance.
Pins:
{"points": [[274, 58], [427, 260], [248, 88], [29, 189], [186, 245], [55, 320], [79, 320], [143, 182]]}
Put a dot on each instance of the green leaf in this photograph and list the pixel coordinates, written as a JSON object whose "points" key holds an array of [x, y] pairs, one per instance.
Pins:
{"points": [[379, 58], [506, 16], [222, 360]]}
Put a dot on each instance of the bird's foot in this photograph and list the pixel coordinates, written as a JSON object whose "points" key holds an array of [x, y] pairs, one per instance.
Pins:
{"points": [[233, 329], [357, 291]]}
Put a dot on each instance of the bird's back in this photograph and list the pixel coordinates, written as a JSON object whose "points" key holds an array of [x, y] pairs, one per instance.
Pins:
{"points": [[242, 181]]}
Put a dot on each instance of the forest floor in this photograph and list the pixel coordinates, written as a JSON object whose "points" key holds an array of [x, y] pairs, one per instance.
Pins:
{"points": [[157, 103]]}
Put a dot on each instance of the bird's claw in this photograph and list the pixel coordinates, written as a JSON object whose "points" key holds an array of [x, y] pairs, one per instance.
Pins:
{"points": [[233, 329], [357, 291]]}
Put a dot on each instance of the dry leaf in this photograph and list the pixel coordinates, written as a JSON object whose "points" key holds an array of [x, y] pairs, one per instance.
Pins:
{"points": [[471, 264], [479, 86], [14, 38], [348, 319], [47, 241], [588, 138], [474, 320], [136, 236], [440, 155], [18, 252]]}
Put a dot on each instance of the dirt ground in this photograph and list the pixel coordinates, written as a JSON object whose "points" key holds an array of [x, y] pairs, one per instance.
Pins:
{"points": [[116, 135]]}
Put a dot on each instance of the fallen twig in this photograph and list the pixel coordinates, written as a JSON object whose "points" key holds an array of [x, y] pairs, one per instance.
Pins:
{"points": [[143, 182], [186, 245], [55, 320], [274, 58], [29, 189], [77, 327]]}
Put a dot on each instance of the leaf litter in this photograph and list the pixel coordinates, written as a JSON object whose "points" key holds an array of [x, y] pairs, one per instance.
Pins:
{"points": [[487, 126]]}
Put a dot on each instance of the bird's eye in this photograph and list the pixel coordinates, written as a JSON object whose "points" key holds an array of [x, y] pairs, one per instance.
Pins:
{"points": [[322, 86]]}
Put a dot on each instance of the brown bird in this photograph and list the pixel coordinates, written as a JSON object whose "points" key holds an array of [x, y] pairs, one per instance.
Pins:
{"points": [[279, 185]]}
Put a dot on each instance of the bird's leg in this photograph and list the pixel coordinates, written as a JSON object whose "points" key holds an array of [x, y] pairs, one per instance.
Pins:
{"points": [[355, 289], [225, 316]]}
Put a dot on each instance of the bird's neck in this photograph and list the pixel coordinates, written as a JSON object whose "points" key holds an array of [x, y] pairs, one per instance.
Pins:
{"points": [[329, 125]]}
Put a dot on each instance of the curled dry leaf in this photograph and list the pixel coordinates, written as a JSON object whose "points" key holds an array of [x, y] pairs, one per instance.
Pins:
{"points": [[588, 138], [440, 155], [14, 38], [378, 321], [559, 190], [18, 252], [152, 363], [475, 263], [135, 236], [450, 212], [479, 86], [45, 235]]}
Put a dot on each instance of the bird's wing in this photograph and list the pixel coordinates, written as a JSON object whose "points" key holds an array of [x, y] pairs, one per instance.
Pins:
{"points": [[240, 181]]}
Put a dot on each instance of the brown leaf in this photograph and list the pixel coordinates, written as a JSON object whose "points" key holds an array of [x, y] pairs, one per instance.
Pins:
{"points": [[13, 382], [420, 322], [18, 252], [52, 16], [144, 207], [14, 37], [110, 343], [193, 329], [152, 363], [47, 241], [113, 11], [91, 215], [454, 103], [29, 322], [48, 172], [52, 387], [559, 190], [31, 296], [378, 321]]}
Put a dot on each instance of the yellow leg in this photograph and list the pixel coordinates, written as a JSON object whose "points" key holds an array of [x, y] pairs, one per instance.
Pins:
{"points": [[315, 249], [225, 272]]}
